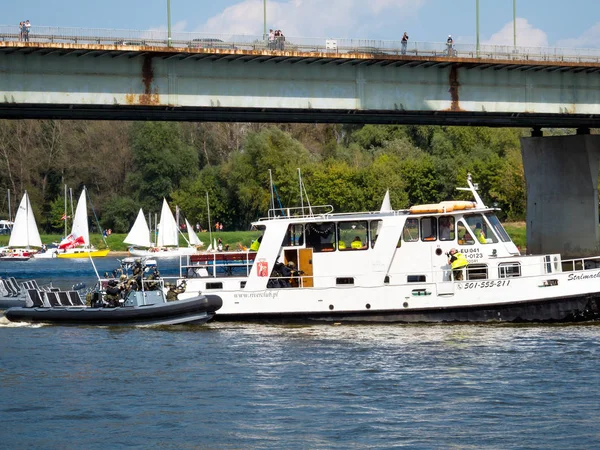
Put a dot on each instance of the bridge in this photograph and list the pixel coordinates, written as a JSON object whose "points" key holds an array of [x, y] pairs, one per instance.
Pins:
{"points": [[103, 74]]}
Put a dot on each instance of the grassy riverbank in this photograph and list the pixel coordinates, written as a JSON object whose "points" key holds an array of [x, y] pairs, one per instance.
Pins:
{"points": [[516, 230]]}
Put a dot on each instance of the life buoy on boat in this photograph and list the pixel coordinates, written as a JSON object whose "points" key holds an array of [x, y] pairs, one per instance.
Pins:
{"points": [[459, 204], [442, 207], [429, 209]]}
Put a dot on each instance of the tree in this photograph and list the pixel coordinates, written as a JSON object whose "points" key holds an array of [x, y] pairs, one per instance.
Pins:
{"points": [[161, 161]]}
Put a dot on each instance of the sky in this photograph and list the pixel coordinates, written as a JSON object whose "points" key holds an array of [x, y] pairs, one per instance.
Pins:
{"points": [[540, 23]]}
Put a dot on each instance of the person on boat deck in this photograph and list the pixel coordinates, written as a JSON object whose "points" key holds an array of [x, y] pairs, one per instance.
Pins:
{"points": [[220, 245], [256, 244], [479, 234], [356, 243], [174, 291], [458, 262], [445, 230], [113, 293], [341, 245]]}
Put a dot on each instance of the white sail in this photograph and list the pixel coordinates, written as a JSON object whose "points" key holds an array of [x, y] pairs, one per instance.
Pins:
{"points": [[167, 229], [80, 221], [140, 233], [193, 237], [386, 204], [25, 232]]}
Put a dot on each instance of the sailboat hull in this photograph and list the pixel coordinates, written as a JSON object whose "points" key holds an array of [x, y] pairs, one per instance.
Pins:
{"points": [[84, 254]]}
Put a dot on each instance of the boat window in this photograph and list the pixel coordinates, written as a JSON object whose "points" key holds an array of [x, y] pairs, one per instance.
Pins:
{"points": [[446, 228], [374, 228], [500, 231], [464, 236], [352, 235], [477, 272], [294, 235], [345, 280], [429, 228], [214, 285], [321, 236], [410, 233], [415, 279], [479, 229], [509, 270]]}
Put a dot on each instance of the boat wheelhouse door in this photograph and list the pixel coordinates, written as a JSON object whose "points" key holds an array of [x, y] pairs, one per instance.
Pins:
{"points": [[442, 229]]}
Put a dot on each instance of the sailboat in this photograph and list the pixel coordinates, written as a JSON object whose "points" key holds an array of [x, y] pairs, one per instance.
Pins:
{"points": [[167, 242], [77, 244], [24, 234], [193, 237]]}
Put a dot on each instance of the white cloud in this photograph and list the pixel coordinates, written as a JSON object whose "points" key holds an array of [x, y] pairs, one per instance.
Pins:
{"points": [[589, 39], [527, 35], [315, 18]]}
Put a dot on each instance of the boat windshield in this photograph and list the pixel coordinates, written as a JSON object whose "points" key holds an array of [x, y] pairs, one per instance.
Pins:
{"points": [[480, 230], [500, 231]]}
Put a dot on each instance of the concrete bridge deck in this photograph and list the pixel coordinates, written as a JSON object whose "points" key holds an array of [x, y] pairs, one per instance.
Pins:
{"points": [[124, 79]]}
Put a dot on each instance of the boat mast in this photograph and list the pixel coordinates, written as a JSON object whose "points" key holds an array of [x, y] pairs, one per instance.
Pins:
{"points": [[272, 195], [301, 195], [150, 227], [209, 226], [27, 207], [473, 190], [72, 212], [9, 212], [155, 230], [66, 217]]}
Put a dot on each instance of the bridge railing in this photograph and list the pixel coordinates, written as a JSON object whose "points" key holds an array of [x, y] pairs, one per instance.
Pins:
{"points": [[159, 38]]}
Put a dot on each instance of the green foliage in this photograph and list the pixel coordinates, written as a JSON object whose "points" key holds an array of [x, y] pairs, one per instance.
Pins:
{"points": [[119, 214], [131, 165], [161, 161]]}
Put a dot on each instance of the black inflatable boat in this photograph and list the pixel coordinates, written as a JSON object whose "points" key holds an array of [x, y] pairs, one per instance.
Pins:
{"points": [[138, 308]]}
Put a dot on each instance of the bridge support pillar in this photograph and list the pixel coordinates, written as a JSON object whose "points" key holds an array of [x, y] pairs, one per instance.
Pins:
{"points": [[561, 173]]}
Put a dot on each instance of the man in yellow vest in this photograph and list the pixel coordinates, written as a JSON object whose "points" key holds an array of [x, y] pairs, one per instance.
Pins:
{"points": [[356, 243], [479, 234], [256, 244], [458, 262]]}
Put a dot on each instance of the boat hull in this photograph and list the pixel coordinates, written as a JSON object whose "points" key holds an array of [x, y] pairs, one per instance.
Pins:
{"points": [[553, 310], [15, 258], [6, 303], [199, 309], [85, 254]]}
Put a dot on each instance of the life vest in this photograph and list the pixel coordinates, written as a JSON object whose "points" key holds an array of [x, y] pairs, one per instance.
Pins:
{"points": [[356, 244], [341, 245], [460, 261], [480, 236], [255, 246]]}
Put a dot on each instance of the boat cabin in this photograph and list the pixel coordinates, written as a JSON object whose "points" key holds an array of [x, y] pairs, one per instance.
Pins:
{"points": [[369, 249]]}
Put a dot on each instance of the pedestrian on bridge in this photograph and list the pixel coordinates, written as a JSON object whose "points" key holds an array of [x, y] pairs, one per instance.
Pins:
{"points": [[404, 42], [449, 45]]}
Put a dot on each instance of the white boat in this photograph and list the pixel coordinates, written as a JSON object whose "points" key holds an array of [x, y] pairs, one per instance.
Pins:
{"points": [[398, 271], [77, 244], [24, 235], [167, 244]]}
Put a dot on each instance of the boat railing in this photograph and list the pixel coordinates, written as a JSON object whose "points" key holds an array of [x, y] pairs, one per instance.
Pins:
{"points": [[321, 211], [572, 265], [299, 211]]}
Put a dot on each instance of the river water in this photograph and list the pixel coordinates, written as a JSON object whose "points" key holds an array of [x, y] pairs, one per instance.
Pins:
{"points": [[238, 386]]}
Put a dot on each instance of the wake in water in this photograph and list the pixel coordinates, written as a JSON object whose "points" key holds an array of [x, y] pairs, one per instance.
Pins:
{"points": [[5, 323]]}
